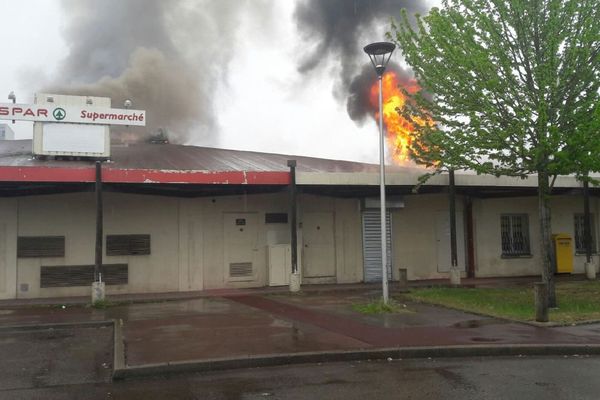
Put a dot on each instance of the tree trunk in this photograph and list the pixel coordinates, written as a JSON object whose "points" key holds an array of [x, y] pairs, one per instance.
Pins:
{"points": [[545, 235]]}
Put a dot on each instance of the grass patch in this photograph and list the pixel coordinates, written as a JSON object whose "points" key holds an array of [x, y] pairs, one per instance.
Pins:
{"points": [[577, 301], [379, 307], [103, 304]]}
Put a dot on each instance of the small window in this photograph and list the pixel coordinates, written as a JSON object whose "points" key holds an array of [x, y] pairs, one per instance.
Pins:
{"points": [[40, 246], [515, 235], [579, 220], [127, 245], [276, 218]]}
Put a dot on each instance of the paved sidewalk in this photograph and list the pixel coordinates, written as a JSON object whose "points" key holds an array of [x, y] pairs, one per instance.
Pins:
{"points": [[321, 288], [253, 323]]}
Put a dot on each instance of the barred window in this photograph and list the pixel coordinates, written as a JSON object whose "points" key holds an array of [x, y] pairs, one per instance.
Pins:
{"points": [[579, 220], [515, 234]]}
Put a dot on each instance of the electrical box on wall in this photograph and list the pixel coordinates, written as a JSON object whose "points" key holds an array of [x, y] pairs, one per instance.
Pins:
{"points": [[66, 138]]}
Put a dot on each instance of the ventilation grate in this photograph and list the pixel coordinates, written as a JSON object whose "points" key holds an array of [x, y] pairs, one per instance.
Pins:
{"points": [[82, 275], [40, 246], [127, 245], [240, 270]]}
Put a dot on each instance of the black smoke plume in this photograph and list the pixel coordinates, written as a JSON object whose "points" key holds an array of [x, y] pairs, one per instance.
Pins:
{"points": [[338, 30]]}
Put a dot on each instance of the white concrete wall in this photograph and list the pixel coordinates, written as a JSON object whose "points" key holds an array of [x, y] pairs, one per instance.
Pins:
{"points": [[188, 242], [8, 248], [347, 235], [73, 216], [214, 241], [486, 221], [414, 235]]}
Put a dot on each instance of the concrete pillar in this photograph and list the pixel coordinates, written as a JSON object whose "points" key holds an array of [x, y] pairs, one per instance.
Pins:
{"points": [[454, 276], [541, 301], [402, 278], [295, 281], [590, 270], [98, 292]]}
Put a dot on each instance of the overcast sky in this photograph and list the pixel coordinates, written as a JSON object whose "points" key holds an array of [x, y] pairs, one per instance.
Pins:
{"points": [[260, 101]]}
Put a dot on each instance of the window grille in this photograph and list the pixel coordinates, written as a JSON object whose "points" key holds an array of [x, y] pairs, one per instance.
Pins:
{"points": [[579, 220], [127, 245], [515, 234]]}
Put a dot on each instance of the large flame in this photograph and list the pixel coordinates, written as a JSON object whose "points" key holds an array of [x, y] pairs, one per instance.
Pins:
{"points": [[399, 131]]}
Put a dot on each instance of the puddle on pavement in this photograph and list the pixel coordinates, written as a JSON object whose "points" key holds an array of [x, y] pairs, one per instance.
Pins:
{"points": [[484, 340], [280, 323], [164, 309], [477, 323]]}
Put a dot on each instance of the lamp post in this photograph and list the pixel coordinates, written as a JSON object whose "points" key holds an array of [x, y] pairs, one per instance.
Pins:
{"points": [[13, 97], [380, 53]]}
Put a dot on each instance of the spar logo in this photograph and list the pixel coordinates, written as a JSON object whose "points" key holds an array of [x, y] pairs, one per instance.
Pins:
{"points": [[59, 114]]}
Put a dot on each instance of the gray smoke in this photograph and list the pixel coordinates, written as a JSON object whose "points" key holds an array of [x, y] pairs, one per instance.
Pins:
{"points": [[339, 30], [167, 56]]}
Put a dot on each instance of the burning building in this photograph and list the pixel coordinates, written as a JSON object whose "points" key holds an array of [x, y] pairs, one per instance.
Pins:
{"points": [[185, 218]]}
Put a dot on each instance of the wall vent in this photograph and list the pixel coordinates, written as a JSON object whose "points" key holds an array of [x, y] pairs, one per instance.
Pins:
{"points": [[240, 270], [127, 245], [82, 275], [40, 246]]}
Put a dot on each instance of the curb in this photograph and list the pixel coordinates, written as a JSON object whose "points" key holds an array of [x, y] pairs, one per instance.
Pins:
{"points": [[118, 347], [55, 325], [270, 360]]}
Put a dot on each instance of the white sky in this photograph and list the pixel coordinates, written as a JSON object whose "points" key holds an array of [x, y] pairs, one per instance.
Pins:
{"points": [[294, 115]]}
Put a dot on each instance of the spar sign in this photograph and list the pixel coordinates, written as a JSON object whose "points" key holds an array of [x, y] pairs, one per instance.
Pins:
{"points": [[72, 114]]}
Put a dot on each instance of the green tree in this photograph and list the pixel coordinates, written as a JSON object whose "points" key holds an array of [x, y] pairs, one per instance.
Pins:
{"points": [[513, 89]]}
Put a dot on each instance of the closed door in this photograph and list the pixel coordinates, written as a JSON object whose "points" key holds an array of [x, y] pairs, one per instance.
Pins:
{"points": [[444, 259], [372, 244], [241, 245], [319, 244]]}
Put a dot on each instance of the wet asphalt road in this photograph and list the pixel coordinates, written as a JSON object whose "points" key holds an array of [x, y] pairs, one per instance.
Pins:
{"points": [[50, 357], [482, 378]]}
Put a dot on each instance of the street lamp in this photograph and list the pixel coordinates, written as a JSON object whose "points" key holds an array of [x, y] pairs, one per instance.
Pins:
{"points": [[11, 96], [380, 54]]}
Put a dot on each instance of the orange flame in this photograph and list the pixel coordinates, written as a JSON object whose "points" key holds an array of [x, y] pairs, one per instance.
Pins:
{"points": [[399, 131]]}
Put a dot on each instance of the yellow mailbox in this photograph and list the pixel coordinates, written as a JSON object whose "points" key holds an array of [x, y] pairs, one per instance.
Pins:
{"points": [[563, 251]]}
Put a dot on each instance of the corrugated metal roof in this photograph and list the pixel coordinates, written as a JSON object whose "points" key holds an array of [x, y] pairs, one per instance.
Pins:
{"points": [[17, 153]]}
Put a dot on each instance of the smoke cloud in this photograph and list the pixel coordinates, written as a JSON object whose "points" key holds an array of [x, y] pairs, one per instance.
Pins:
{"points": [[167, 56], [339, 30]]}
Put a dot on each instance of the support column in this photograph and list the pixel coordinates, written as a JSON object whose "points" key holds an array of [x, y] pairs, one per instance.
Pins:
{"points": [[590, 268], [470, 239], [98, 292], [454, 271], [452, 205], [295, 280]]}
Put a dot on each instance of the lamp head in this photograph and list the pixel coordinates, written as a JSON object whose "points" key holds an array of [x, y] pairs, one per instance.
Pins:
{"points": [[380, 53], [12, 96]]}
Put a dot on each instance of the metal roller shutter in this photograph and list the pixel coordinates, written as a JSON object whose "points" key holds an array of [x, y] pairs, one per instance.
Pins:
{"points": [[372, 245]]}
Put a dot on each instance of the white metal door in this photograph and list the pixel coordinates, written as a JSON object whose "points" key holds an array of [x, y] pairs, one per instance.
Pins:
{"points": [[319, 244], [372, 244], [444, 261], [241, 245]]}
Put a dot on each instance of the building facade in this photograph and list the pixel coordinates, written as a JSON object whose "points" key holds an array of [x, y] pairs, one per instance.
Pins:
{"points": [[204, 219]]}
